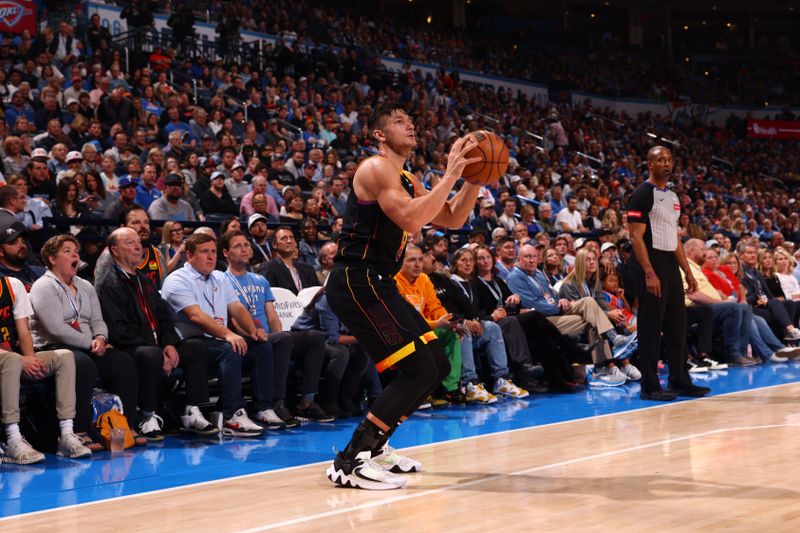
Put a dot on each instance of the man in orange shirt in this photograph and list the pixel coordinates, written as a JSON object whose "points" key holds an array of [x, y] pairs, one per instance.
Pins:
{"points": [[416, 287]]}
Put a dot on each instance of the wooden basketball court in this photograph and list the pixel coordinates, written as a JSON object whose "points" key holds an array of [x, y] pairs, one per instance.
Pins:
{"points": [[725, 462]]}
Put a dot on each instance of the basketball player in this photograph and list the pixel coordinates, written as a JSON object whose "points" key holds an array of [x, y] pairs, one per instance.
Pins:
{"points": [[386, 205]]}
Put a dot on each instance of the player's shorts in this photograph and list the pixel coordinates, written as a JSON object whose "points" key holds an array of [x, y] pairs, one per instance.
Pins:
{"points": [[385, 324]]}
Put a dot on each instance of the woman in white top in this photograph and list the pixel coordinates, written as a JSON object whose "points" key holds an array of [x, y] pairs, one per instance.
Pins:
{"points": [[784, 265]]}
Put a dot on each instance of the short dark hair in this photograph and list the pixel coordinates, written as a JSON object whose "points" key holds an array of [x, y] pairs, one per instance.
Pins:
{"points": [[8, 194], [502, 240], [123, 218], [382, 112], [53, 245], [228, 236], [196, 239]]}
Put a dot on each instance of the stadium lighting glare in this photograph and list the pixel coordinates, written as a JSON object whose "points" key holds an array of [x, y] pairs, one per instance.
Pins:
{"points": [[593, 15], [728, 25], [685, 27], [429, 19], [706, 73], [686, 59], [703, 23], [766, 104]]}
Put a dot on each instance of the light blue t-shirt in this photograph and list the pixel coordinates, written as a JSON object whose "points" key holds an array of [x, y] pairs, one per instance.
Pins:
{"points": [[253, 291]]}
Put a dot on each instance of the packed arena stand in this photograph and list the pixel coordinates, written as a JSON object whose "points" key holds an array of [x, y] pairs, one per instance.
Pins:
{"points": [[103, 161]]}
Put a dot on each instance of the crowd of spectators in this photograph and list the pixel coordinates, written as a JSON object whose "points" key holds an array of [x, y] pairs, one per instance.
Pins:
{"points": [[545, 251], [609, 67]]}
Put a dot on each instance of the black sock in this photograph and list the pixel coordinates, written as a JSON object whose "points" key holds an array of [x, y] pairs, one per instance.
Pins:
{"points": [[367, 436], [383, 439]]}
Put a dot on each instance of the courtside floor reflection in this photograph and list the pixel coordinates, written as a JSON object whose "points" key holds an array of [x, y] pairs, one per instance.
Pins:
{"points": [[181, 461]]}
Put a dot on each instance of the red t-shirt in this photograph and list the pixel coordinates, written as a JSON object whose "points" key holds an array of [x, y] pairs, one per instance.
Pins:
{"points": [[726, 285]]}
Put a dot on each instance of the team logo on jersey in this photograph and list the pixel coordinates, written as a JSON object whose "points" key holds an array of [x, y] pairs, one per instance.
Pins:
{"points": [[637, 214]]}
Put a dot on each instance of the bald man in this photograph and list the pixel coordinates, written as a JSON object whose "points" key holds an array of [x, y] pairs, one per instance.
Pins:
{"points": [[732, 319]]}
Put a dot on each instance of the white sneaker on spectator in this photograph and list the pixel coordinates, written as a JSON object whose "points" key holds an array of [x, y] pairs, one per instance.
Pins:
{"points": [[697, 367], [269, 419], [195, 422], [793, 334], [606, 377], [425, 405], [70, 445], [362, 473], [19, 452], [630, 372], [477, 393], [715, 365], [775, 358], [151, 428], [392, 461], [507, 388], [792, 352], [240, 425]]}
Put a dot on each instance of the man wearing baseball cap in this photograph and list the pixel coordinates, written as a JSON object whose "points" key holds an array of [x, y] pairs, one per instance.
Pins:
{"points": [[259, 238], [217, 200], [126, 200], [14, 255], [170, 206]]}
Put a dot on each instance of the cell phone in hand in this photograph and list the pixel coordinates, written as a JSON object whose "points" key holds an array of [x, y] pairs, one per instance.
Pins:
{"points": [[457, 318]]}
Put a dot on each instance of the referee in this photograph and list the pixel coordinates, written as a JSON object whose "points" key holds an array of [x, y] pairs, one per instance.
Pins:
{"points": [[653, 213]]}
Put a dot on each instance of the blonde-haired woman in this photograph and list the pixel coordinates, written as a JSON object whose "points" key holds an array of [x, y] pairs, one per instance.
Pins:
{"points": [[784, 265], [584, 282], [15, 159], [766, 265]]}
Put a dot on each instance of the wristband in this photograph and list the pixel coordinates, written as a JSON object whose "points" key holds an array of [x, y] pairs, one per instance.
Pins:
{"points": [[650, 274]]}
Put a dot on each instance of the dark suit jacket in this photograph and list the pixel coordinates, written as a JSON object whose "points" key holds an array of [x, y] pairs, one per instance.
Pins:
{"points": [[278, 275], [752, 286]]}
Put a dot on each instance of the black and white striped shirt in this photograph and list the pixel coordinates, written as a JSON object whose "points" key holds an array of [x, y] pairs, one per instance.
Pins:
{"points": [[659, 210]]}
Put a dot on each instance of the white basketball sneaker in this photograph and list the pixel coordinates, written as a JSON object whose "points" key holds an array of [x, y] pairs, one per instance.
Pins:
{"points": [[392, 461], [362, 473]]}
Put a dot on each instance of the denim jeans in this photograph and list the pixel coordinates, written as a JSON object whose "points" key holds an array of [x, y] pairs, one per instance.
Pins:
{"points": [[762, 339], [259, 356], [492, 340], [734, 320]]}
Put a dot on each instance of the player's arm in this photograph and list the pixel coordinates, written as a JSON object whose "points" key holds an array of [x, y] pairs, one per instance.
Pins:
{"points": [[680, 255], [413, 213], [457, 209]]}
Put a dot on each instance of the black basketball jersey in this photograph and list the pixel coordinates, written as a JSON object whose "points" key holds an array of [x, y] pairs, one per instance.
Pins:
{"points": [[8, 328], [151, 266], [369, 237]]}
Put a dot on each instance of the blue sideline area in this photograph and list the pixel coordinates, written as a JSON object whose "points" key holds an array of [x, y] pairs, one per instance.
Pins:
{"points": [[180, 461]]}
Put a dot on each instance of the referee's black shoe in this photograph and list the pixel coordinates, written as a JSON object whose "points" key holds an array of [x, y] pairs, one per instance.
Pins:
{"points": [[691, 390], [658, 395]]}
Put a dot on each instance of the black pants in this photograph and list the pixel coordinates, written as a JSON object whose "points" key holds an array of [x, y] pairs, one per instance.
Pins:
{"points": [[394, 335], [118, 374], [281, 356], [703, 316], [779, 315], [548, 345], [665, 314], [150, 362], [343, 373], [308, 351]]}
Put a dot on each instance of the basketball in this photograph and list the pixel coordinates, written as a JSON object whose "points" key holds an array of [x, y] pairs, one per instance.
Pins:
{"points": [[495, 159]]}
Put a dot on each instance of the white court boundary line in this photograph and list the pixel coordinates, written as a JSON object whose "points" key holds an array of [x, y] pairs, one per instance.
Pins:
{"points": [[389, 501], [432, 444]]}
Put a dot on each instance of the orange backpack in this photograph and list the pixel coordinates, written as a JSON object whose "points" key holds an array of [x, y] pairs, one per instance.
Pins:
{"points": [[113, 419]]}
